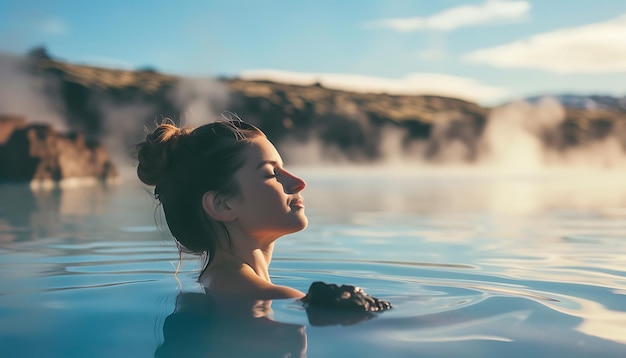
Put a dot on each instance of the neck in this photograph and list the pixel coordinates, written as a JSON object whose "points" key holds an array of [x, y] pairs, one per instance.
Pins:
{"points": [[250, 252]]}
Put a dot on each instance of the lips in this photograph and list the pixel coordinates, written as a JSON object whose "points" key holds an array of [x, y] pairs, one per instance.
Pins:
{"points": [[298, 203]]}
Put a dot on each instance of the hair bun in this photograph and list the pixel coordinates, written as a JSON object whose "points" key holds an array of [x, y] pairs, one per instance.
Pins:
{"points": [[155, 152]]}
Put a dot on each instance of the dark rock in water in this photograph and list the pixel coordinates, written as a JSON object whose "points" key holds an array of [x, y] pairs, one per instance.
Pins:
{"points": [[35, 152], [330, 304], [345, 297]]}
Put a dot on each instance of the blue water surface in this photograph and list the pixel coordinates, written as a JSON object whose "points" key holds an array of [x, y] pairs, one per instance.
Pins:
{"points": [[474, 265]]}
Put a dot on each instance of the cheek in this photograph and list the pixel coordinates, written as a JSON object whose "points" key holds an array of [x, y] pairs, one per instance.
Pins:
{"points": [[271, 195], [263, 203]]}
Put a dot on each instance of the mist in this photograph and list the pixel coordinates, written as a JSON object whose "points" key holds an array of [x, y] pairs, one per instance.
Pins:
{"points": [[117, 122], [201, 100], [516, 138], [525, 137], [25, 94]]}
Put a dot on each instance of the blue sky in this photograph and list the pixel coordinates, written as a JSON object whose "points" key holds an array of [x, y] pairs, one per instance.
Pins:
{"points": [[486, 50]]}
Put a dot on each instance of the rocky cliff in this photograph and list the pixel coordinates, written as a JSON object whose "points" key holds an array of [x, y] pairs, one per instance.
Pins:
{"points": [[100, 102], [36, 153]]}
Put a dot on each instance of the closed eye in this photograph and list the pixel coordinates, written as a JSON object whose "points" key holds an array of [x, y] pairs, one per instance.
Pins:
{"points": [[273, 175], [274, 166]]}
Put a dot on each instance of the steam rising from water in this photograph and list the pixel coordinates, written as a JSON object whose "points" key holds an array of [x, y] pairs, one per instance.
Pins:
{"points": [[521, 137], [123, 123], [201, 100], [22, 93], [123, 128], [512, 136], [517, 138]]}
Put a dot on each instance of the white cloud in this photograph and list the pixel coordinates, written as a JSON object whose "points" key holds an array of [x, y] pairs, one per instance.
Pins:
{"points": [[489, 12], [413, 84], [595, 48], [53, 26]]}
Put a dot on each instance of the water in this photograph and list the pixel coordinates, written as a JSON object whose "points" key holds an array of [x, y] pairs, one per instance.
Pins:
{"points": [[475, 265]]}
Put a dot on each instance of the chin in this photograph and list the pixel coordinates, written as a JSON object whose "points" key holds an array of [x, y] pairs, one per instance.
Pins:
{"points": [[301, 225], [304, 221]]}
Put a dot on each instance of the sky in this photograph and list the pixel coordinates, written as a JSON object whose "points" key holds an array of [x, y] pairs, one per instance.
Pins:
{"points": [[486, 51]]}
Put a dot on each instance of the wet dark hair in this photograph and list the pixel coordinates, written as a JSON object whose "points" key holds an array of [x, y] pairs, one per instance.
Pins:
{"points": [[183, 164]]}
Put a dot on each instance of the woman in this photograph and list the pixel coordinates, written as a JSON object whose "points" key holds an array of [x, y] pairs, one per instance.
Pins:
{"points": [[226, 194]]}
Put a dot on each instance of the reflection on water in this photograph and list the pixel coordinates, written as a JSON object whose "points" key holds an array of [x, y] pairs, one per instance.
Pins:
{"points": [[445, 190], [205, 326], [27, 214], [474, 264]]}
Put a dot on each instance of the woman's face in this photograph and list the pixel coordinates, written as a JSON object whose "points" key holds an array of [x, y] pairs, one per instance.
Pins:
{"points": [[269, 203]]}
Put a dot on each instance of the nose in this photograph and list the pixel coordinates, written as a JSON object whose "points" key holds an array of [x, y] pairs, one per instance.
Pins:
{"points": [[293, 184]]}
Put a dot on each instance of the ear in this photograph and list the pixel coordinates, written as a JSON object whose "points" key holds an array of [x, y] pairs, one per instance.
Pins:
{"points": [[218, 206]]}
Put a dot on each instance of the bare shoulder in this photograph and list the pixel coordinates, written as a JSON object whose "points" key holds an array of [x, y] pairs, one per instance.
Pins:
{"points": [[242, 281], [262, 289], [277, 292]]}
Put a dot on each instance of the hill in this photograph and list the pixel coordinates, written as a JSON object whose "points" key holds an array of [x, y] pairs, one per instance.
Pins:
{"points": [[116, 105]]}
